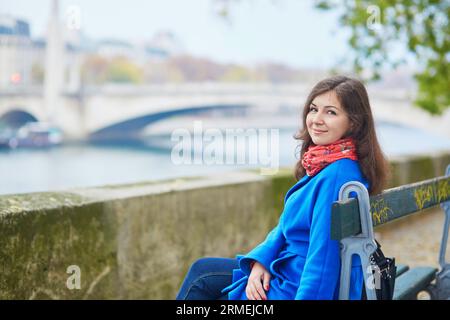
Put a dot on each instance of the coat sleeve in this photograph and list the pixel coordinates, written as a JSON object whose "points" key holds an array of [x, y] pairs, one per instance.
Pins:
{"points": [[322, 267], [265, 252]]}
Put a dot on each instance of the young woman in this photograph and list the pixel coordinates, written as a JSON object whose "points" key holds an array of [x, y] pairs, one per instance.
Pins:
{"points": [[298, 259]]}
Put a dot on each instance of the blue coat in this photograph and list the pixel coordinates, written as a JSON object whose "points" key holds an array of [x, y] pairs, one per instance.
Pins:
{"points": [[303, 260]]}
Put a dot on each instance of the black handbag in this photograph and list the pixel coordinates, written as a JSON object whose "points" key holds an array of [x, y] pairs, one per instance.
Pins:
{"points": [[385, 270]]}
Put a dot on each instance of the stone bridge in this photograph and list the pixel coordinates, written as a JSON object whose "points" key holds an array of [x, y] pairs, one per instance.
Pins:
{"points": [[124, 109]]}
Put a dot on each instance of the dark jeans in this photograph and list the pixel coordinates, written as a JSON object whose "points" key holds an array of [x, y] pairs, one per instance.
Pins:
{"points": [[206, 278]]}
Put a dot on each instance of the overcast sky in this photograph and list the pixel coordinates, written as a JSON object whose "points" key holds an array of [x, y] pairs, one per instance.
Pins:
{"points": [[286, 31]]}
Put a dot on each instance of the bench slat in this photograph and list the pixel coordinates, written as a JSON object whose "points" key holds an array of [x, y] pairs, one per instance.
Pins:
{"points": [[390, 205], [409, 284]]}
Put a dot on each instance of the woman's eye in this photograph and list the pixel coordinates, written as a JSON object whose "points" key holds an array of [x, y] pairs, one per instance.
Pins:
{"points": [[315, 110]]}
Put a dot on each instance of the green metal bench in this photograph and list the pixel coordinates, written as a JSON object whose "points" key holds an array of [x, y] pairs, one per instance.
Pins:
{"points": [[409, 284], [353, 220]]}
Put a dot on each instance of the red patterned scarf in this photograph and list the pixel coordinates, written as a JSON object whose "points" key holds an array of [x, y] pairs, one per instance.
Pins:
{"points": [[318, 157]]}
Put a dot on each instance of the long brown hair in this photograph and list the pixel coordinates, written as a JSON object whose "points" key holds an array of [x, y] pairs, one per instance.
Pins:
{"points": [[354, 99]]}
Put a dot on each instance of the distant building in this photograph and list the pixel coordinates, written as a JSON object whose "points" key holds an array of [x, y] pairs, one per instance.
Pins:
{"points": [[14, 27], [163, 45], [15, 54], [110, 48], [23, 59]]}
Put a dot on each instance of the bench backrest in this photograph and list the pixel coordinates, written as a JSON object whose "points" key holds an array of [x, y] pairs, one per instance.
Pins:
{"points": [[389, 205], [353, 220]]}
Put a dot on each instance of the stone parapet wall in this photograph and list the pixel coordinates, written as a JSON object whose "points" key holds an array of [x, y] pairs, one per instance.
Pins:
{"points": [[137, 241]]}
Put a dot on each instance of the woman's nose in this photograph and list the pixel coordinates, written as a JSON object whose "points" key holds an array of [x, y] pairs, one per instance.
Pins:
{"points": [[318, 119]]}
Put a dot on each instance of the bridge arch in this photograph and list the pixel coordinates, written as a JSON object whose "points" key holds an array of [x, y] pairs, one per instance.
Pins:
{"points": [[16, 118], [130, 129]]}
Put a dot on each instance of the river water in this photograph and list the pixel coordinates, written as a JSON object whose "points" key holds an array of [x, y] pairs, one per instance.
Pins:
{"points": [[82, 165]]}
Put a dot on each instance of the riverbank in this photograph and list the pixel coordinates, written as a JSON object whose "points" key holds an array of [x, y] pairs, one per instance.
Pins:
{"points": [[136, 241]]}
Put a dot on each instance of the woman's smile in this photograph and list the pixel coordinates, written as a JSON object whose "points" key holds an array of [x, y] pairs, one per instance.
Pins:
{"points": [[317, 132]]}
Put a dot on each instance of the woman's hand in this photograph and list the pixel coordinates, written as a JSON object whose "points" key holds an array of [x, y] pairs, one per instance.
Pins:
{"points": [[258, 281]]}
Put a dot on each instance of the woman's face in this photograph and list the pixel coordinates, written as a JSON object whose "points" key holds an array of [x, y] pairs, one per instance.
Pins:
{"points": [[326, 120]]}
